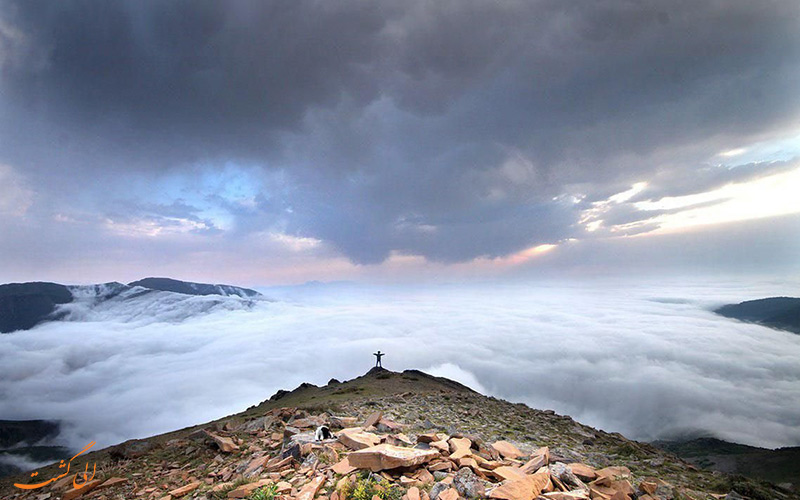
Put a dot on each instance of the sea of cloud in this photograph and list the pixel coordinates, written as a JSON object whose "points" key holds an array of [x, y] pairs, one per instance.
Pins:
{"points": [[648, 360]]}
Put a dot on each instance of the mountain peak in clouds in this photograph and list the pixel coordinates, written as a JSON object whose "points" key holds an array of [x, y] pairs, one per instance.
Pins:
{"points": [[190, 288]]}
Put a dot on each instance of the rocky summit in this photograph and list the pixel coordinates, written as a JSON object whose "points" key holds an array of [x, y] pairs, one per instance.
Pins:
{"points": [[396, 436]]}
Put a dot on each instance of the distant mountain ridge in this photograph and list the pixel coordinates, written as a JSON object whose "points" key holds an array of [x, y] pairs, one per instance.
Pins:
{"points": [[782, 313], [25, 305], [189, 288], [778, 466]]}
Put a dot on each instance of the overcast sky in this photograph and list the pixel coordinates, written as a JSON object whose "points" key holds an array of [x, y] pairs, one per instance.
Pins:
{"points": [[260, 143]]}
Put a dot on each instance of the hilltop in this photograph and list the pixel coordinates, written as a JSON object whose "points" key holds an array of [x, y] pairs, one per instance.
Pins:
{"points": [[402, 435]]}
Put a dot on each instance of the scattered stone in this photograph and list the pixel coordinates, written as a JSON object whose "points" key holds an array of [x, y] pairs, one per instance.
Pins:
{"points": [[245, 490], [449, 494], [437, 489], [413, 493], [373, 419], [566, 495], [343, 422], [386, 425], [84, 489], [226, 444], [111, 482], [292, 451], [467, 484], [386, 456], [179, 492]]}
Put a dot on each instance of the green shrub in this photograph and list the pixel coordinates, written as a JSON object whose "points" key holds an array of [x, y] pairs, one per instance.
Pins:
{"points": [[367, 486], [264, 493]]}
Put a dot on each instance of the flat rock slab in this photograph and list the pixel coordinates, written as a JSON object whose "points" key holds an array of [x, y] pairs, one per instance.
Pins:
{"points": [[539, 459], [179, 492], [76, 492], [343, 467], [114, 481], [309, 491], [507, 449], [584, 472], [357, 439], [527, 488], [245, 490], [387, 456], [509, 473]]}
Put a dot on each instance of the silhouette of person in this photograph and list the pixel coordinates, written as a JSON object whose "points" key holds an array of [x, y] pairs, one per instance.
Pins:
{"points": [[378, 355]]}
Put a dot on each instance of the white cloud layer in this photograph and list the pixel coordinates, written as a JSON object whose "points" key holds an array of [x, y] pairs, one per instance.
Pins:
{"points": [[649, 361]]}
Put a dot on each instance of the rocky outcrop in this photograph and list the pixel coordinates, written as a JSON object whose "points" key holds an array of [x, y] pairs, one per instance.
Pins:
{"points": [[454, 445]]}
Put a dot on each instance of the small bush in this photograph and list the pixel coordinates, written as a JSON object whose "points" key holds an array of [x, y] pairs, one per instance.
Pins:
{"points": [[265, 493], [366, 487]]}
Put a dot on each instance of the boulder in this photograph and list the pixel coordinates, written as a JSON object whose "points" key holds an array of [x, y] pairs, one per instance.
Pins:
{"points": [[460, 447], [648, 487], [386, 425], [343, 467], [527, 488], [583, 472], [508, 473], [539, 459], [507, 449], [343, 422], [358, 439], [373, 419], [386, 456], [561, 472], [225, 444]]}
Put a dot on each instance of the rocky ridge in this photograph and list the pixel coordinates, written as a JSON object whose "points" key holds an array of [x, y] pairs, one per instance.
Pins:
{"points": [[397, 436]]}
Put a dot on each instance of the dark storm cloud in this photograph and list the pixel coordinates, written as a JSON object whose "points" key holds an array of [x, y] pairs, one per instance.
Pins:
{"points": [[447, 129]]}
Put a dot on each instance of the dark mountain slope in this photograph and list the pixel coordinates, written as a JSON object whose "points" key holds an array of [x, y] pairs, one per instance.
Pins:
{"points": [[189, 288], [778, 466], [776, 312], [24, 305]]}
